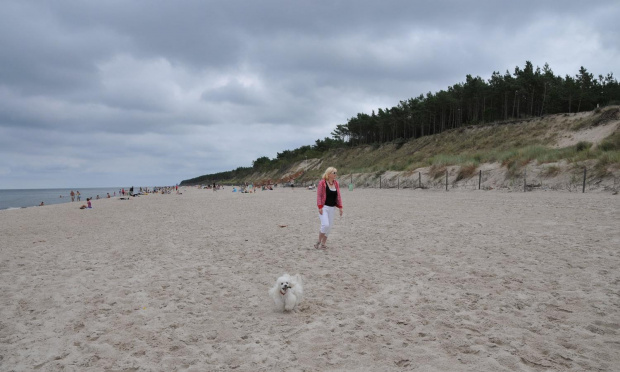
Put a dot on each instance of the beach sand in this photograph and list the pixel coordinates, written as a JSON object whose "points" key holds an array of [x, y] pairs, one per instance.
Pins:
{"points": [[413, 280]]}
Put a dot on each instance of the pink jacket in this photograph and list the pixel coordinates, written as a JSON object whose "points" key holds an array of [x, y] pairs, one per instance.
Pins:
{"points": [[321, 195]]}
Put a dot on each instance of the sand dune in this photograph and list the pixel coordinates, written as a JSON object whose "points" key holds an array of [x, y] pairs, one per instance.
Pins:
{"points": [[413, 280]]}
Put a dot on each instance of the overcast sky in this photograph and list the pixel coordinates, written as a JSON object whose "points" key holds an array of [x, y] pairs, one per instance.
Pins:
{"points": [[145, 93]]}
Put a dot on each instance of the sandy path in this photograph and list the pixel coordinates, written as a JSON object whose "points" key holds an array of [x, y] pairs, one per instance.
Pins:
{"points": [[414, 280]]}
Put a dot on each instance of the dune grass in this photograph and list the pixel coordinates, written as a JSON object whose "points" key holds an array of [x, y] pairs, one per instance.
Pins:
{"points": [[514, 156], [513, 146]]}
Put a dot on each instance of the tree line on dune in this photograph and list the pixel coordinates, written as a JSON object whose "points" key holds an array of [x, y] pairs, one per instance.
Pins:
{"points": [[527, 92]]}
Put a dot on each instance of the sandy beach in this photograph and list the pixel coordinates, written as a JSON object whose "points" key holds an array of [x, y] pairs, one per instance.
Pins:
{"points": [[413, 280]]}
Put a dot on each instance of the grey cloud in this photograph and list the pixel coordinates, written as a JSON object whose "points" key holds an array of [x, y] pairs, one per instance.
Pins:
{"points": [[234, 93], [194, 87]]}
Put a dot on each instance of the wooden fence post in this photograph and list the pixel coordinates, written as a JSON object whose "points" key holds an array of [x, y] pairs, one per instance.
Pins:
{"points": [[420, 179], [584, 180], [479, 179], [446, 180], [524, 183], [379, 182]]}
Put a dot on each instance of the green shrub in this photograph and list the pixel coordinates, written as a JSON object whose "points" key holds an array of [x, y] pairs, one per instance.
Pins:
{"points": [[399, 142], [582, 145], [533, 152], [507, 157], [611, 143], [609, 157]]}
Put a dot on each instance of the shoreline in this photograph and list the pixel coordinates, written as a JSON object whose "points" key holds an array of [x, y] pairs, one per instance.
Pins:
{"points": [[26, 198]]}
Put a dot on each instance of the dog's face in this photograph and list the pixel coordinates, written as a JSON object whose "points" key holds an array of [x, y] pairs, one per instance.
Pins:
{"points": [[284, 283]]}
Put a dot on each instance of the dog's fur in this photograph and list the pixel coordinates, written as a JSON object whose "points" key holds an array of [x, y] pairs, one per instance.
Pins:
{"points": [[287, 292]]}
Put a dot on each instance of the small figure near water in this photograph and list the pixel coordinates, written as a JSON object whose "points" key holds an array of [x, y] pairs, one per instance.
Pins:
{"points": [[87, 205]]}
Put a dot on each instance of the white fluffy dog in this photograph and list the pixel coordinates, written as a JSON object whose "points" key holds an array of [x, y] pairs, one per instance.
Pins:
{"points": [[287, 292]]}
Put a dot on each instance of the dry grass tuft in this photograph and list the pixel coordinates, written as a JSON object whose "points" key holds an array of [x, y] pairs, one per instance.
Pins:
{"points": [[436, 171], [551, 171], [467, 171]]}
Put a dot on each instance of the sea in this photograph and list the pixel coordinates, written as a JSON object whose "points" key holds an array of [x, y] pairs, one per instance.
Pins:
{"points": [[23, 198]]}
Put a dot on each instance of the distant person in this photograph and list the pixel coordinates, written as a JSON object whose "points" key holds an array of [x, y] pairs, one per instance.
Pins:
{"points": [[108, 195], [87, 205], [72, 195], [98, 197], [42, 204], [327, 199], [79, 196]]}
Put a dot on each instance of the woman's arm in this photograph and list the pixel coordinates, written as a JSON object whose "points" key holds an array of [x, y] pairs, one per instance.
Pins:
{"points": [[338, 199], [320, 194]]}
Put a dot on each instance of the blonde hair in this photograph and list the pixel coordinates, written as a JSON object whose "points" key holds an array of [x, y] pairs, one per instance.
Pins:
{"points": [[328, 171]]}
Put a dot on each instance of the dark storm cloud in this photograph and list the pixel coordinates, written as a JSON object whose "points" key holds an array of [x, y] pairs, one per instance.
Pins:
{"points": [[192, 87]]}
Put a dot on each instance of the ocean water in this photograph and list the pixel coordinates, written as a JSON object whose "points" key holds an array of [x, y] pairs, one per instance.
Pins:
{"points": [[15, 198]]}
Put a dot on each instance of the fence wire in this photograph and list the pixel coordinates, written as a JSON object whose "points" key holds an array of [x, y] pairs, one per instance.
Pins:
{"points": [[488, 179]]}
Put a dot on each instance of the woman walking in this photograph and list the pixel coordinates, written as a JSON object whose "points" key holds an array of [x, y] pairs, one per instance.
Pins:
{"points": [[327, 199]]}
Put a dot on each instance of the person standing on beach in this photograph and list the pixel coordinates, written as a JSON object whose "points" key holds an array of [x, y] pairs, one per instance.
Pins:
{"points": [[72, 196], [79, 196], [327, 199]]}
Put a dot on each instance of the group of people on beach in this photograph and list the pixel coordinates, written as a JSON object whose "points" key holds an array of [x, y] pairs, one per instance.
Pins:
{"points": [[328, 199], [74, 195], [77, 196]]}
